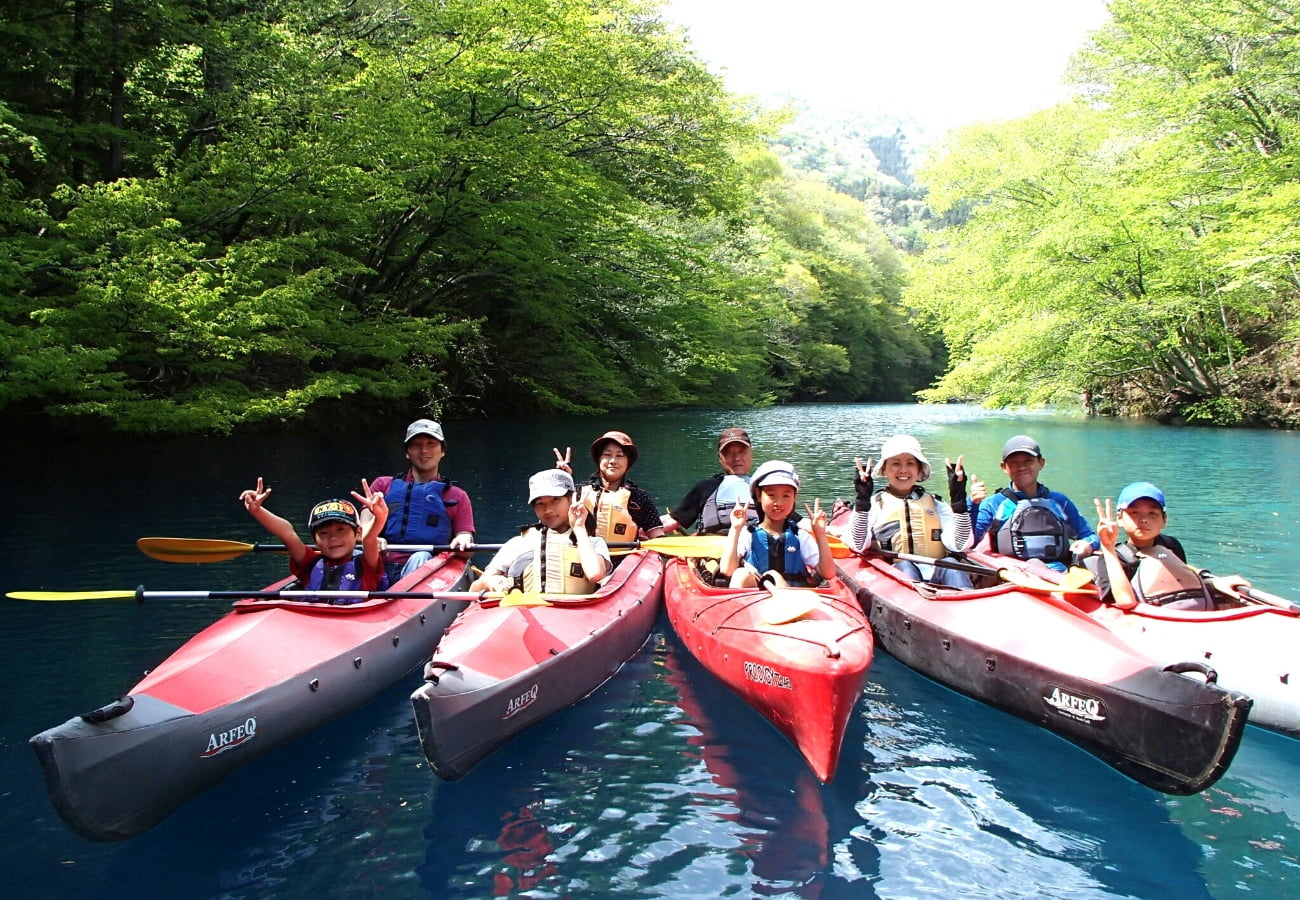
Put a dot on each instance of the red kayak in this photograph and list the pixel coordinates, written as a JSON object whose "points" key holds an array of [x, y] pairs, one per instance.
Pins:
{"points": [[265, 674], [799, 656], [501, 668], [1033, 654]]}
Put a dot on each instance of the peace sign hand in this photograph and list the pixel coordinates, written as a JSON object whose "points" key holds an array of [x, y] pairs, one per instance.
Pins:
{"points": [[563, 462]]}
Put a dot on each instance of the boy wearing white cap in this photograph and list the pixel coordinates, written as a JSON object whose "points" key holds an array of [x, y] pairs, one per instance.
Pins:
{"points": [[556, 555], [905, 518], [781, 544], [1152, 567], [424, 507]]}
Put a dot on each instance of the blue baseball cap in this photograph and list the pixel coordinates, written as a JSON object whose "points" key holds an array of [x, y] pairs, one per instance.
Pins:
{"points": [[1139, 490]]}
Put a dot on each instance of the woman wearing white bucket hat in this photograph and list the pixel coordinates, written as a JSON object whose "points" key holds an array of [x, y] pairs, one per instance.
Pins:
{"points": [[905, 518]]}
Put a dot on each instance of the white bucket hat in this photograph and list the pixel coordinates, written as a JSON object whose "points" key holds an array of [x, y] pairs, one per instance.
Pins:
{"points": [[898, 445]]}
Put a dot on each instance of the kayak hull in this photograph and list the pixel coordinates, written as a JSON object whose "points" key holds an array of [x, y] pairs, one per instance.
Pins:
{"points": [[1252, 648], [804, 676], [1034, 655], [499, 670], [255, 680]]}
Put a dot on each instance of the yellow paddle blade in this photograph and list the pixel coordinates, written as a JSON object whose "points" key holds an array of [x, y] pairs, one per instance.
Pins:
{"points": [[192, 550], [71, 595], [788, 605], [1076, 577], [691, 545], [523, 598], [839, 549]]}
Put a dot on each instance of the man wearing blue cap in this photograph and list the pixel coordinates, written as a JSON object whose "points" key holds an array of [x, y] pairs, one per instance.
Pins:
{"points": [[1152, 567], [1027, 520]]}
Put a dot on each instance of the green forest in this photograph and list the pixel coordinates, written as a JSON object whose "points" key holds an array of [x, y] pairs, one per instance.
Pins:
{"points": [[226, 216]]}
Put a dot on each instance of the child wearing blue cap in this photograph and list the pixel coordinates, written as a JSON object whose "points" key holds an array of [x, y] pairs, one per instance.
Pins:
{"points": [[331, 563], [1152, 567]]}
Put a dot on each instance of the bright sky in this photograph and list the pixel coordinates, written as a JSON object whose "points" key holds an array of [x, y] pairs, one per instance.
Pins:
{"points": [[942, 63]]}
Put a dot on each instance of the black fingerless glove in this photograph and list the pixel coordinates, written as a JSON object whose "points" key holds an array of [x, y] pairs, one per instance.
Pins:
{"points": [[956, 489], [863, 488]]}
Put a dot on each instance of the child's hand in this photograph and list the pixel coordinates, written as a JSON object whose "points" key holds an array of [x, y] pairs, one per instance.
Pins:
{"points": [[740, 514], [373, 501], [563, 462], [577, 515], [1107, 527], [254, 499], [817, 516]]}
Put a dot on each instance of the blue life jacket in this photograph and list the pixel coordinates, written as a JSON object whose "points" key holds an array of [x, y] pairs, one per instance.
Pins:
{"points": [[416, 512], [780, 554], [345, 577]]}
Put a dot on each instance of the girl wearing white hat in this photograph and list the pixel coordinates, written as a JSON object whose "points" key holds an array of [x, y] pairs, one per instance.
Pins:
{"points": [[905, 518], [791, 550]]}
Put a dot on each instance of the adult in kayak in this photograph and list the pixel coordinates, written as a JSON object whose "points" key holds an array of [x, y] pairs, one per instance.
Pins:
{"points": [[424, 506], [335, 527], [618, 510], [1028, 520], [905, 518], [556, 555], [777, 547], [712, 499], [1152, 567]]}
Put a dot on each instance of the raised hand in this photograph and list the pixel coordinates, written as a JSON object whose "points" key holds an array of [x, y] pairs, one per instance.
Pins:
{"points": [[564, 462], [1107, 526], [863, 486], [816, 516], [956, 483], [254, 499]]}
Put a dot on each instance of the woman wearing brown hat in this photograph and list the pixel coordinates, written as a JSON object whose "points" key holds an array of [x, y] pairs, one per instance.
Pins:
{"points": [[619, 510]]}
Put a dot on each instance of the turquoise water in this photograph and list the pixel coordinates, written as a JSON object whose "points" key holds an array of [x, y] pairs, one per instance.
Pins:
{"points": [[661, 784]]}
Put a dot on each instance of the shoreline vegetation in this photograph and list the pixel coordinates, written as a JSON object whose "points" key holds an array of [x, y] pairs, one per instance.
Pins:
{"points": [[238, 218]]}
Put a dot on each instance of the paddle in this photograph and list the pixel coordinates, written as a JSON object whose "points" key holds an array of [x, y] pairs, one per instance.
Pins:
{"points": [[1072, 583], [140, 595], [1269, 599], [203, 550]]}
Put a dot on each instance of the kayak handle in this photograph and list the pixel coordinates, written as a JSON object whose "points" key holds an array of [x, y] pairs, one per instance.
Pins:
{"points": [[1211, 676]]}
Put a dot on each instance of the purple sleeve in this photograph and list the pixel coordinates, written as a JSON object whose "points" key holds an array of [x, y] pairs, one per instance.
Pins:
{"points": [[461, 512]]}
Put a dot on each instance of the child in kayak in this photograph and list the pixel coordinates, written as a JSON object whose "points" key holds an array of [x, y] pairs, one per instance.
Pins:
{"points": [[1152, 567], [780, 547], [572, 561], [331, 564], [905, 518], [619, 510], [1029, 521]]}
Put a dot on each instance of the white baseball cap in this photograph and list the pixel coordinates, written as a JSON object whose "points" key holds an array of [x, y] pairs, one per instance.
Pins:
{"points": [[549, 483], [424, 426]]}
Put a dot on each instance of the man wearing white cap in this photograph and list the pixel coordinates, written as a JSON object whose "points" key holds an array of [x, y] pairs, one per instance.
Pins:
{"points": [[905, 518], [424, 507], [556, 555]]}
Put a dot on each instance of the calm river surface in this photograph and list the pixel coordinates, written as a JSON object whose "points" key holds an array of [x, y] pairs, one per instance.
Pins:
{"points": [[662, 784]]}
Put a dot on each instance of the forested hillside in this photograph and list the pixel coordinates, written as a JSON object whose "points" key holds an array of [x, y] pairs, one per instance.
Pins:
{"points": [[1137, 249], [228, 215]]}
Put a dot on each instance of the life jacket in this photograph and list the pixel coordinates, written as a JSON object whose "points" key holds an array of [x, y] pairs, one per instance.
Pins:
{"points": [[715, 518], [556, 566], [1160, 577], [1031, 528], [343, 577], [779, 554], [908, 524], [417, 514], [614, 520]]}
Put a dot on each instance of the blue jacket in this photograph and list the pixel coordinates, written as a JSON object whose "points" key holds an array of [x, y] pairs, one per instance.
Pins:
{"points": [[998, 508]]}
